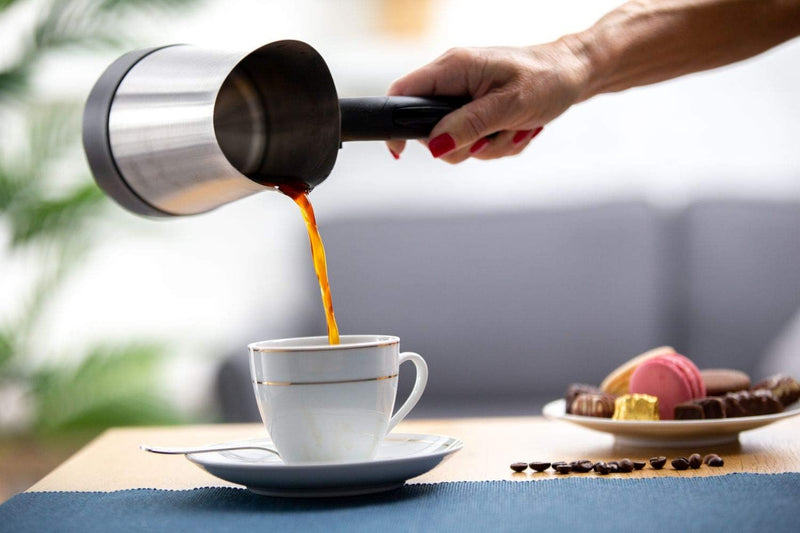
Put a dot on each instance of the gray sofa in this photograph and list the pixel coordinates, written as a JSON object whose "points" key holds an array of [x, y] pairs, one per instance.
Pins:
{"points": [[508, 308]]}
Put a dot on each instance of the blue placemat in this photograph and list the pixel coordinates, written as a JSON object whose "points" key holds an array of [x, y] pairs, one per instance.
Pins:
{"points": [[735, 502]]}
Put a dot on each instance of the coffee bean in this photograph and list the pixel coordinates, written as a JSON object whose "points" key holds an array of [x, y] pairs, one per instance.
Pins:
{"points": [[555, 465], [519, 467], [583, 467], [613, 467], [707, 459], [638, 465], [602, 468], [563, 469], [613, 463], [539, 466], [626, 465], [716, 461], [680, 463], [658, 462], [695, 460]]}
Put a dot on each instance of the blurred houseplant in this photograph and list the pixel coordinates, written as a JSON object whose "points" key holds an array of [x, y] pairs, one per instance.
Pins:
{"points": [[47, 203]]}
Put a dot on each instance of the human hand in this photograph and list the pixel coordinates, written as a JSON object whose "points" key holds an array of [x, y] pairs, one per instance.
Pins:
{"points": [[514, 91]]}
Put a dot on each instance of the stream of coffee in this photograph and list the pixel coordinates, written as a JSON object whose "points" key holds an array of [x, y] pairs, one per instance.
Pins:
{"points": [[300, 197]]}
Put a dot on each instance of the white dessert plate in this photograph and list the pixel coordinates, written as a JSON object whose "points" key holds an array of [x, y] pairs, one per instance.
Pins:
{"points": [[400, 457], [670, 433]]}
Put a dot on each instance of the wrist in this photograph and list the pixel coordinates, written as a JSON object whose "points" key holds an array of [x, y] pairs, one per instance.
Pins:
{"points": [[600, 47], [590, 63], [583, 65]]}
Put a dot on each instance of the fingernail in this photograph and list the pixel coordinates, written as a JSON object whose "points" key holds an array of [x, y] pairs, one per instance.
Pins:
{"points": [[441, 144], [521, 136], [537, 131], [479, 146], [394, 154]]}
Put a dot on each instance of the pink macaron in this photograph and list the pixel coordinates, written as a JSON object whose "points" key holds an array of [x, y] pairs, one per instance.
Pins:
{"points": [[672, 378]]}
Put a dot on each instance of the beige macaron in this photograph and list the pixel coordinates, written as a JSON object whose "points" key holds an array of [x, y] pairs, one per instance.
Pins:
{"points": [[616, 382]]}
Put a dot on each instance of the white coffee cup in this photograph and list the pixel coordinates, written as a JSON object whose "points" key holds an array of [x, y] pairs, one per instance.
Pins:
{"points": [[331, 403]]}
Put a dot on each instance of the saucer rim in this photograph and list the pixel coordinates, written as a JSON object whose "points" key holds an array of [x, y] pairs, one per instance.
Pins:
{"points": [[320, 480], [454, 445]]}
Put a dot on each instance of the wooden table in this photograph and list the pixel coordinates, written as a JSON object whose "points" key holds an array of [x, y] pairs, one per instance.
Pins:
{"points": [[113, 460]]}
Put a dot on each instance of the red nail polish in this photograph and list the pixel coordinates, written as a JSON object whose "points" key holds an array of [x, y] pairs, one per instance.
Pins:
{"points": [[521, 136], [537, 131], [441, 144], [479, 145], [394, 154]]}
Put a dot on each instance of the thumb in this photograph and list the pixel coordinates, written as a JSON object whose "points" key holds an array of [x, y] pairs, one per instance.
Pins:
{"points": [[466, 125]]}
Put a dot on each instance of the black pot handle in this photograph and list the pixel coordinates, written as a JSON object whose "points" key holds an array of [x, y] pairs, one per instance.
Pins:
{"points": [[380, 118]]}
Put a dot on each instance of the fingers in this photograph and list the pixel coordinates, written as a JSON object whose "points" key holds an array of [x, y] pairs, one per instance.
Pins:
{"points": [[467, 125], [508, 143], [396, 148], [425, 81], [504, 144], [443, 77]]}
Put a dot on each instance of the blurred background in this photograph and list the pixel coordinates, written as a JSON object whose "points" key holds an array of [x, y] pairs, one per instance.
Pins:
{"points": [[108, 319]]}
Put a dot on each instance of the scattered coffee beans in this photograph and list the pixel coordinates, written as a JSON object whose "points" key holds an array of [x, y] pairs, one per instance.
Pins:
{"points": [[563, 469], [539, 466], [583, 466], [519, 467], [602, 468], [695, 460], [680, 463], [626, 465]]}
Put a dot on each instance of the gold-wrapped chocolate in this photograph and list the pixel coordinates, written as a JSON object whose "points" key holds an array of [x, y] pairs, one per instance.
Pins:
{"points": [[636, 407]]}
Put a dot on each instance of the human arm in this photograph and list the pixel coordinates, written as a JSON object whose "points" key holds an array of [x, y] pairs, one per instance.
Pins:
{"points": [[516, 91]]}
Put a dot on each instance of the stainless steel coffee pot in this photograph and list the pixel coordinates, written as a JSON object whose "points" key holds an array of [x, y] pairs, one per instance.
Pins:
{"points": [[179, 130]]}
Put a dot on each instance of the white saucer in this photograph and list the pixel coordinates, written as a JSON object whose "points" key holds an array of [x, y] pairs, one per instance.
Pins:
{"points": [[669, 433], [400, 457]]}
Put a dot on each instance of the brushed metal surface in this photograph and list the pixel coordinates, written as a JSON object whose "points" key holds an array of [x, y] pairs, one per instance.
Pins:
{"points": [[161, 129]]}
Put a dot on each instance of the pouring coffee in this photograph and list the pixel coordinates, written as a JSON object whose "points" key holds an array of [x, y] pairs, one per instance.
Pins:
{"points": [[179, 130]]}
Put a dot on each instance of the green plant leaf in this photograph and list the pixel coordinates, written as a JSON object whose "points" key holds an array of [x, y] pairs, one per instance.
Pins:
{"points": [[164, 5], [65, 23], [14, 81], [56, 218], [6, 3], [95, 24], [112, 386], [6, 348], [9, 188], [51, 130]]}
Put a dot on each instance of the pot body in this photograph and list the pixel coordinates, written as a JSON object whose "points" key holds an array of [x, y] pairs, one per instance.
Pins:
{"points": [[181, 130]]}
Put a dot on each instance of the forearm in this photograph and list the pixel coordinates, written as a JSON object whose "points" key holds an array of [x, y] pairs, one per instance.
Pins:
{"points": [[648, 41]]}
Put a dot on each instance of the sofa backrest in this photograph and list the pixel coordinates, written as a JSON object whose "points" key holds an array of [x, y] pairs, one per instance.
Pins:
{"points": [[742, 279], [507, 304]]}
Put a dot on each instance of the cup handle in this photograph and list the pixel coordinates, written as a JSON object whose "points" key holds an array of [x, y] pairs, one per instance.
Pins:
{"points": [[416, 392]]}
